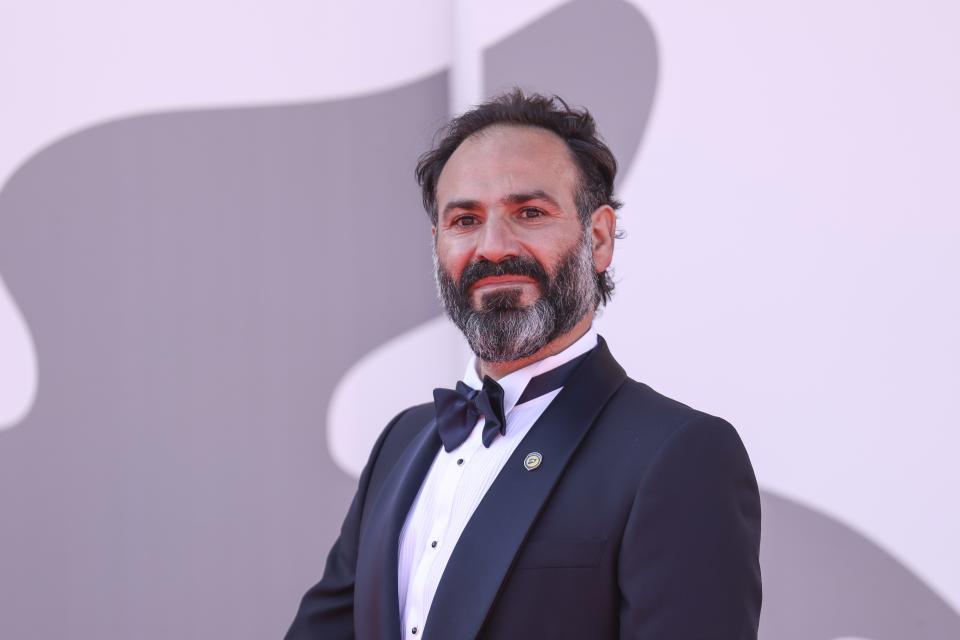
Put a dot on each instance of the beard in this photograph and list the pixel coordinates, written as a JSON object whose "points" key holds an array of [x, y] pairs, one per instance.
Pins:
{"points": [[501, 329]]}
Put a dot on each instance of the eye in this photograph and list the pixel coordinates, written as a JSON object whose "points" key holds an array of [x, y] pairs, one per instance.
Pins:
{"points": [[530, 212], [465, 221]]}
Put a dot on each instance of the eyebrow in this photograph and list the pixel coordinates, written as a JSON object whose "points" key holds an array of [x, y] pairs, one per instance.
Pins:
{"points": [[513, 198], [539, 194], [459, 204]]}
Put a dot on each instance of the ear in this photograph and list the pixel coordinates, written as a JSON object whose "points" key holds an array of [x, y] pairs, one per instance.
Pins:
{"points": [[603, 230], [433, 231]]}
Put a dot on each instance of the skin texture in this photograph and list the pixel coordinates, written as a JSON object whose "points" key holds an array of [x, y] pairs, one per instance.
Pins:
{"points": [[509, 191]]}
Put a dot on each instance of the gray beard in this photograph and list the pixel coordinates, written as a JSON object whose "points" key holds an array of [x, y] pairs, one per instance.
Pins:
{"points": [[502, 330]]}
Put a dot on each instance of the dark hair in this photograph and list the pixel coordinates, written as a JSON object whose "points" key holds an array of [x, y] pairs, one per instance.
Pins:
{"points": [[593, 158]]}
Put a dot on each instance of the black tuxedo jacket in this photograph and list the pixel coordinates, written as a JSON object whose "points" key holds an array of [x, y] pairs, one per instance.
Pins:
{"points": [[643, 521]]}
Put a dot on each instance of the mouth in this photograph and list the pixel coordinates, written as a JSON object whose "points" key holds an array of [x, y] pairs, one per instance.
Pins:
{"points": [[493, 282]]}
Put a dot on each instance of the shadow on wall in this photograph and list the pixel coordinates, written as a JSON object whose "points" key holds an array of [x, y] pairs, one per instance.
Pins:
{"points": [[823, 580], [196, 283]]}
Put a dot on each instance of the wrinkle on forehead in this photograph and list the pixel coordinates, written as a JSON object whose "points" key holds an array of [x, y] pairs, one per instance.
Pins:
{"points": [[498, 158]]}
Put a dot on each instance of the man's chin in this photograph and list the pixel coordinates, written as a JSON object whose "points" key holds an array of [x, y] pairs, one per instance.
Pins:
{"points": [[495, 351]]}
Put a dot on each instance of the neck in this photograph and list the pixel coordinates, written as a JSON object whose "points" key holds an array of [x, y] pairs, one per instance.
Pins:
{"points": [[497, 370]]}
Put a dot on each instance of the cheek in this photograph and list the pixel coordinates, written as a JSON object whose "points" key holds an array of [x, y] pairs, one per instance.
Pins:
{"points": [[447, 266], [450, 260], [548, 260], [549, 247]]}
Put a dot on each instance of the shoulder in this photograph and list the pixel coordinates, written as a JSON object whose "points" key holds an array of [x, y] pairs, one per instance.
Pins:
{"points": [[645, 425], [406, 425], [638, 408], [396, 436]]}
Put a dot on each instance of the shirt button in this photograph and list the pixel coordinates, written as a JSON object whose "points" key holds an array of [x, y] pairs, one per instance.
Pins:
{"points": [[413, 631], [460, 461], [434, 544]]}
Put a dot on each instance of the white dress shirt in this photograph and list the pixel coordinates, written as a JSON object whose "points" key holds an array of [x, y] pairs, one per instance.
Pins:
{"points": [[456, 483]]}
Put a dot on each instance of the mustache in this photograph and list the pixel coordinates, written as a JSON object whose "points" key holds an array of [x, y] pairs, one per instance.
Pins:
{"points": [[512, 266]]}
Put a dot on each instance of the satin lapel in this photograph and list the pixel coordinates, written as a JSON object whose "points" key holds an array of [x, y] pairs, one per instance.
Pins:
{"points": [[485, 551], [375, 591]]}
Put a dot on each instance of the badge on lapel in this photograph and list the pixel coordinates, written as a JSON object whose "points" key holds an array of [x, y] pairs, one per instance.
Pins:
{"points": [[532, 461]]}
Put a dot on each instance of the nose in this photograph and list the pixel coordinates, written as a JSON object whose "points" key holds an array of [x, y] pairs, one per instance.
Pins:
{"points": [[497, 240]]}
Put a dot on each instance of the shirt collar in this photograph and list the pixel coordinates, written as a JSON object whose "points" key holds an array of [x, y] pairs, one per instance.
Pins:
{"points": [[514, 383]]}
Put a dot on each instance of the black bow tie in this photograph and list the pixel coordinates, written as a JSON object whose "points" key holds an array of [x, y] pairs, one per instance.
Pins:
{"points": [[458, 409]]}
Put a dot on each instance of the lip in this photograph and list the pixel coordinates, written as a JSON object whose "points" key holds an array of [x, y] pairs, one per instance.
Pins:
{"points": [[494, 281]]}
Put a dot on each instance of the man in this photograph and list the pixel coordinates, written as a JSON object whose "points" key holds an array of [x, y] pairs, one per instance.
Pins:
{"points": [[548, 495]]}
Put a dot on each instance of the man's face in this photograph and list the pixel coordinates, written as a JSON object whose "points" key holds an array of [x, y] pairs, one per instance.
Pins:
{"points": [[514, 263]]}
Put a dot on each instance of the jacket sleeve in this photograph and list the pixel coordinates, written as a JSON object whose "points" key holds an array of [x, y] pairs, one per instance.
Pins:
{"points": [[689, 563], [326, 610]]}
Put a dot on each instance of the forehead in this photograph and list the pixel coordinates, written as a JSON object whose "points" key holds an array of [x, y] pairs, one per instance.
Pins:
{"points": [[505, 159]]}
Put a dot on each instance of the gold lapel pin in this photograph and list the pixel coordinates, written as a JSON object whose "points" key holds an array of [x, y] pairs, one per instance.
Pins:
{"points": [[532, 461]]}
